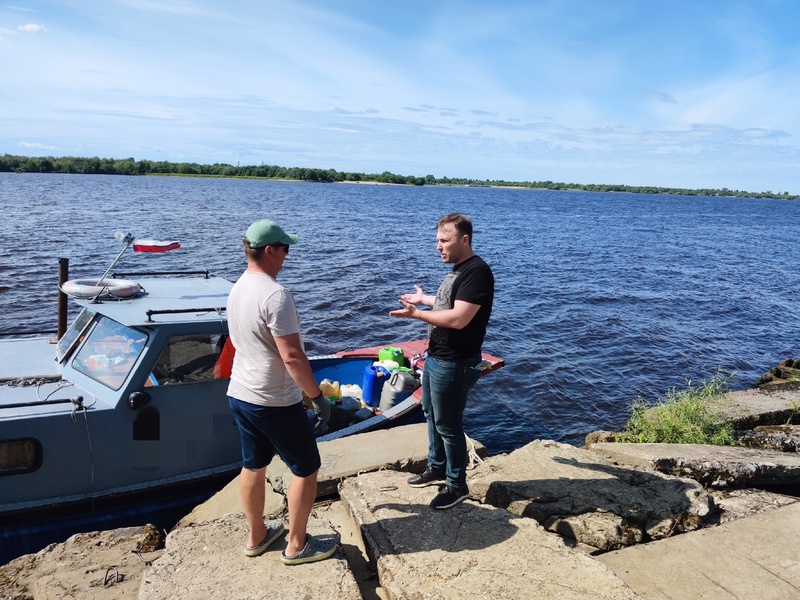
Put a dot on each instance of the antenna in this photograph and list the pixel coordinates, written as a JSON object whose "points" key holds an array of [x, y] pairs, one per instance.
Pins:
{"points": [[125, 238]]}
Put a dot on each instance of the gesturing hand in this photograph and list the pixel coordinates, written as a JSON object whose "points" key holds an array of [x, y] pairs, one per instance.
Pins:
{"points": [[409, 310], [415, 298]]}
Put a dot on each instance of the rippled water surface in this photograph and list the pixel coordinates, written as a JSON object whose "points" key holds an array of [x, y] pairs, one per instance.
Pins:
{"points": [[600, 298]]}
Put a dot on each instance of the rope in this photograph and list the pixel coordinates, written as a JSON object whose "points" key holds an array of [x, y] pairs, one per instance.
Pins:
{"points": [[78, 405], [29, 381], [61, 384], [474, 459]]}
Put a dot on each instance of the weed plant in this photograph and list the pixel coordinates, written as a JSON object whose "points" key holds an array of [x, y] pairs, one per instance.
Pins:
{"points": [[683, 417]]}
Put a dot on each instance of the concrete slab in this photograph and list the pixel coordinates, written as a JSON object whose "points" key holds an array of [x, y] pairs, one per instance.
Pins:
{"points": [[758, 406], [468, 551], [756, 557], [208, 562], [716, 466]]}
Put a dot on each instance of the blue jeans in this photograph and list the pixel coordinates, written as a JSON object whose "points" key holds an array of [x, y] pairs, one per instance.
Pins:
{"points": [[445, 386]]}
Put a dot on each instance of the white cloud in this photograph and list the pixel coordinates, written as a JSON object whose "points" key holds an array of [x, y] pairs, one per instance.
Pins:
{"points": [[32, 28], [35, 146]]}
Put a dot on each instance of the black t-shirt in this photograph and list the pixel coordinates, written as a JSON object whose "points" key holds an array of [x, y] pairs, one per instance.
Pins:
{"points": [[471, 281]]}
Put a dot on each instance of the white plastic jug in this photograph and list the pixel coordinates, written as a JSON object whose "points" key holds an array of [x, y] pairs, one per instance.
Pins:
{"points": [[389, 365], [350, 390]]}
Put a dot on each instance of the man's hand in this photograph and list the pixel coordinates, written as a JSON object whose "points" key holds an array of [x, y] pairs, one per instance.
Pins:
{"points": [[408, 311], [416, 298], [322, 409]]}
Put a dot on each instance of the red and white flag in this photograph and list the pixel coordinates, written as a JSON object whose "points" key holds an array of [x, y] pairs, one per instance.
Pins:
{"points": [[154, 246]]}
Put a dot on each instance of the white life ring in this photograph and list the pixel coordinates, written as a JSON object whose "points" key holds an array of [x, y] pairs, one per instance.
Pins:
{"points": [[105, 288]]}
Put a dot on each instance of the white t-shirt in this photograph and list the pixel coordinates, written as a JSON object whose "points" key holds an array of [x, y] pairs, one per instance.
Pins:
{"points": [[259, 310]]}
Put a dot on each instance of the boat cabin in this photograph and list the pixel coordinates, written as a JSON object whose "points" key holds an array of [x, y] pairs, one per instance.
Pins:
{"points": [[132, 396]]}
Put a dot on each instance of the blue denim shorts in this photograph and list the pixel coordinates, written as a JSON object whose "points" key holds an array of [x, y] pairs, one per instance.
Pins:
{"points": [[282, 430]]}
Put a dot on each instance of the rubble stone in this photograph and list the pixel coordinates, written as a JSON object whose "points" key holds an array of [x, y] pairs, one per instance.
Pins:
{"points": [[586, 497]]}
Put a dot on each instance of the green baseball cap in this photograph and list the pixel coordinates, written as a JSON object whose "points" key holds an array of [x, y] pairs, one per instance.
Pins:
{"points": [[265, 232]]}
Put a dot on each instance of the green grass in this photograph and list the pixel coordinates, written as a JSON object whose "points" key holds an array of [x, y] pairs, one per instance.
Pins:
{"points": [[683, 417]]}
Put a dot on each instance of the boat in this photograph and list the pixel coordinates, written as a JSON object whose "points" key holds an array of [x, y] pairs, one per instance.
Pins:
{"points": [[123, 416]]}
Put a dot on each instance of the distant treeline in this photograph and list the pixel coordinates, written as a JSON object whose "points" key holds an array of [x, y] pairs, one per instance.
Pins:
{"points": [[130, 166]]}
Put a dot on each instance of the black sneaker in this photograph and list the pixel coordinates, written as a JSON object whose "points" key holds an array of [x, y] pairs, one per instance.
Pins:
{"points": [[448, 497], [427, 477]]}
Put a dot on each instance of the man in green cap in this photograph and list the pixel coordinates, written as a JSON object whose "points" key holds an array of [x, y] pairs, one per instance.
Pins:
{"points": [[270, 369]]}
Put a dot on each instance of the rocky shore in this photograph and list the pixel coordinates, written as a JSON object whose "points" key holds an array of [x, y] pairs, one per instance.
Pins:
{"points": [[548, 520]]}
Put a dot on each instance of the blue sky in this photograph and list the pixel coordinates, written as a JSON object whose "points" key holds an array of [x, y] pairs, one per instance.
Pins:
{"points": [[674, 93]]}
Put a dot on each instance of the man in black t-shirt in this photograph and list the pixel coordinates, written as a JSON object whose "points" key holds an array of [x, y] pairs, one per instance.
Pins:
{"points": [[456, 326]]}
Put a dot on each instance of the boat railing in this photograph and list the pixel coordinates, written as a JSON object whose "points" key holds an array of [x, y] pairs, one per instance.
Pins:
{"points": [[77, 401], [175, 311], [116, 275]]}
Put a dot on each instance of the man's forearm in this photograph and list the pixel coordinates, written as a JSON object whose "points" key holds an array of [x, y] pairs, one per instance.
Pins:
{"points": [[300, 370], [428, 301], [297, 364], [448, 319]]}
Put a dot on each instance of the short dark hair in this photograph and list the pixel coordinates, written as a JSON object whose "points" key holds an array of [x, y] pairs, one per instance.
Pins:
{"points": [[462, 223], [252, 253]]}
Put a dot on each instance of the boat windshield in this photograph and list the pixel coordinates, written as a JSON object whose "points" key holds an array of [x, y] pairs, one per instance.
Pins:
{"points": [[109, 352], [74, 334]]}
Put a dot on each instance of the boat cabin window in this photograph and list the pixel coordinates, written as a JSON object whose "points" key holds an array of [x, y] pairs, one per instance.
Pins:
{"points": [[20, 456], [74, 334], [193, 358], [109, 352]]}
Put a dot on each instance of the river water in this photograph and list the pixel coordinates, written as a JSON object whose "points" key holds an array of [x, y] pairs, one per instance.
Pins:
{"points": [[600, 297]]}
